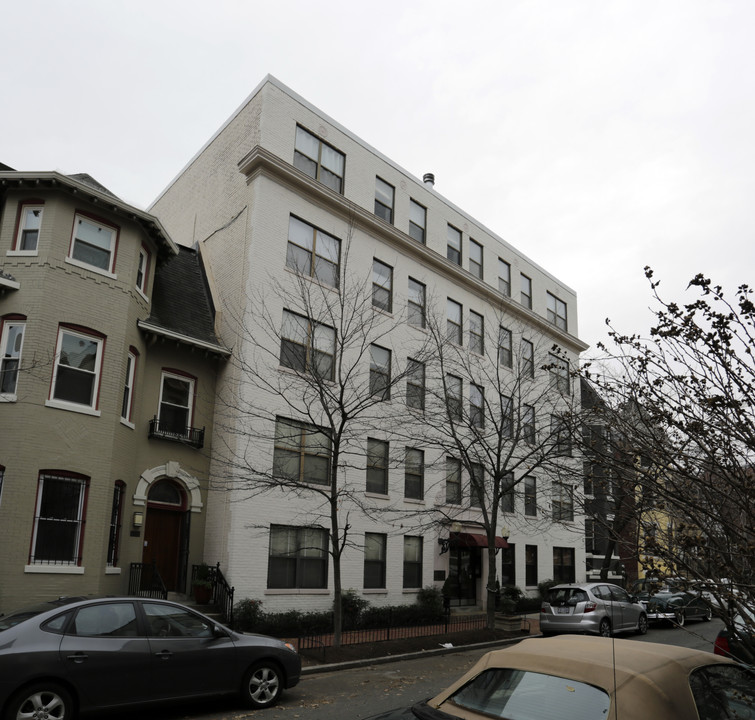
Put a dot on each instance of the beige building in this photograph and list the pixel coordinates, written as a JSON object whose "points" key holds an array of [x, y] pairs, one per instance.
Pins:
{"points": [[108, 364], [284, 202]]}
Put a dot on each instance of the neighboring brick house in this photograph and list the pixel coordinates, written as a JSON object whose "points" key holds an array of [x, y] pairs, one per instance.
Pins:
{"points": [[108, 364], [275, 196]]}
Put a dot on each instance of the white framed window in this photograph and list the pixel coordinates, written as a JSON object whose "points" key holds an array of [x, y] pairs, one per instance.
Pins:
{"points": [[476, 406], [453, 481], [377, 466], [319, 160], [414, 474], [380, 372], [556, 311], [375, 559], [417, 221], [307, 346], [58, 518], [11, 347], [384, 194], [526, 291], [128, 387], [29, 224], [530, 496], [298, 557], [505, 347], [453, 248], [453, 322], [176, 404], [504, 278], [476, 333], [416, 305], [415, 384], [77, 371], [142, 270], [382, 286], [454, 397], [93, 244], [412, 562], [528, 359], [312, 252], [559, 371], [475, 258], [302, 452], [563, 502]]}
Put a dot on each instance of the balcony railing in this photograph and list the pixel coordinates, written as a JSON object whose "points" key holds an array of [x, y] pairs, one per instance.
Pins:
{"points": [[189, 436]]}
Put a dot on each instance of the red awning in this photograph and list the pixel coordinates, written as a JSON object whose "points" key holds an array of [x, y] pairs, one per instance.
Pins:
{"points": [[460, 539]]}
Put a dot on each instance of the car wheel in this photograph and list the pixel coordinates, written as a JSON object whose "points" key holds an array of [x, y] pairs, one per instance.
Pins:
{"points": [[679, 618], [642, 625], [605, 627], [708, 615], [41, 700], [262, 686]]}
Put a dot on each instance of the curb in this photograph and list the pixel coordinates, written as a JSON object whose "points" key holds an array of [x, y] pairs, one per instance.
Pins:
{"points": [[313, 669]]}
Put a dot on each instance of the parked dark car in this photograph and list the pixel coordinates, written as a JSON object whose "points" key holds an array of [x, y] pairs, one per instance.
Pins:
{"points": [[593, 678], [73, 655], [676, 606], [740, 644]]}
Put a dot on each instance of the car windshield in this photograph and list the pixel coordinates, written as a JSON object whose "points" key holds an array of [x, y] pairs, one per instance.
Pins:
{"points": [[524, 695], [724, 691]]}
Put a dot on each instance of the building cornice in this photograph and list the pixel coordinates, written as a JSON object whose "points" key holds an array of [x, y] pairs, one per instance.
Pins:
{"points": [[260, 161], [156, 330]]}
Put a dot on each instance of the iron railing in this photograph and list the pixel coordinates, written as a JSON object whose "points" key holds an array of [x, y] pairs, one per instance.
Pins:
{"points": [[165, 431], [222, 592], [144, 580]]}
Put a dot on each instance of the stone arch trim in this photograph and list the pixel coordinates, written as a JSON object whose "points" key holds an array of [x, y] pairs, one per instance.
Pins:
{"points": [[169, 470]]}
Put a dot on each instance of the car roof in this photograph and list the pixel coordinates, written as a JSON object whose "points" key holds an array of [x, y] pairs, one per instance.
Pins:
{"points": [[651, 679]]}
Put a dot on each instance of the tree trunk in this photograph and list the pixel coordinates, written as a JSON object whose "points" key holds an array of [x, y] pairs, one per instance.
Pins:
{"points": [[491, 585]]}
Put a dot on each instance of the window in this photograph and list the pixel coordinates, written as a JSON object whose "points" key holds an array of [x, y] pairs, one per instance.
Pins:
{"points": [[475, 258], [412, 562], [476, 406], [563, 565], [414, 474], [176, 404], [417, 221], [476, 333], [173, 621], [307, 346], [319, 160], [93, 243], [298, 557], [128, 386], [416, 305], [526, 292], [560, 435], [142, 270], [301, 453], [313, 252], [507, 417], [380, 372], [530, 496], [453, 324], [563, 502], [2, 476], [476, 485], [377, 466], [11, 345], [453, 250], [78, 363], [374, 559], [556, 311], [106, 620], [116, 518], [508, 493], [528, 424], [384, 194], [453, 481], [528, 359], [30, 221], [530, 565], [590, 537], [59, 518], [504, 278], [505, 354], [415, 384], [454, 397], [382, 286], [508, 565], [559, 370]]}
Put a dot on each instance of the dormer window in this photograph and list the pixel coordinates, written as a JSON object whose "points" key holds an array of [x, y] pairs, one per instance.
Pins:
{"points": [[93, 244]]}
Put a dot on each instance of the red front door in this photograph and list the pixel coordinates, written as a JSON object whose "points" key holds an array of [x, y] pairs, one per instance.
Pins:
{"points": [[162, 542]]}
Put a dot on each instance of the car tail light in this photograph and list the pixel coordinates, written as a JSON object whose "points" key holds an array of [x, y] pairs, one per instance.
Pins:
{"points": [[721, 647], [590, 606], [544, 607]]}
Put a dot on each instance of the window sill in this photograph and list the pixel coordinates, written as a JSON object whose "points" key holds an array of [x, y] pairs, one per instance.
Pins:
{"points": [[22, 253], [296, 591], [374, 591], [91, 268], [142, 294], [414, 501], [128, 423], [42, 569], [72, 407], [110, 570], [377, 495], [408, 591], [8, 397]]}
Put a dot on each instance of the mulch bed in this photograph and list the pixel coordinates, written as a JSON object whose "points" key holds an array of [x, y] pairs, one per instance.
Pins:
{"points": [[387, 648]]}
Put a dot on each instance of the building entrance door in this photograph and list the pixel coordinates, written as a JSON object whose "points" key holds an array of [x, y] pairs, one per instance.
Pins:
{"points": [[463, 564]]}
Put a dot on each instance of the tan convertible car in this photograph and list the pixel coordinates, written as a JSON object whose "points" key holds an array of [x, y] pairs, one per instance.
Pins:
{"points": [[593, 678]]}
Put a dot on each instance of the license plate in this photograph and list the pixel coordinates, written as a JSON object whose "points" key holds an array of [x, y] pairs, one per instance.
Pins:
{"points": [[563, 611]]}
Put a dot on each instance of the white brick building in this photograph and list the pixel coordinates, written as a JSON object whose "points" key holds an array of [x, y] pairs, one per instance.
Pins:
{"points": [[280, 175]]}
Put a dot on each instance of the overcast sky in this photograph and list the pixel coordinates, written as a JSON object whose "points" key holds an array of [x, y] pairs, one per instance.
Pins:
{"points": [[596, 136]]}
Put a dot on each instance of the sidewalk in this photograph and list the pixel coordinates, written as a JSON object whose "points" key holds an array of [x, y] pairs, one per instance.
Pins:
{"points": [[358, 655]]}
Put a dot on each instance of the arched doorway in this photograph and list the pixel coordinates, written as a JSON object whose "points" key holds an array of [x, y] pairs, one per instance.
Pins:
{"points": [[166, 532]]}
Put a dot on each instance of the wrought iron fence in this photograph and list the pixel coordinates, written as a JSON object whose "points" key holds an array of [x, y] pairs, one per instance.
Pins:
{"points": [[144, 580]]}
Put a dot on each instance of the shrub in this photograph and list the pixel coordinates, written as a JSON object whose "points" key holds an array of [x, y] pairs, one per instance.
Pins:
{"points": [[430, 601], [247, 615], [352, 607], [544, 586]]}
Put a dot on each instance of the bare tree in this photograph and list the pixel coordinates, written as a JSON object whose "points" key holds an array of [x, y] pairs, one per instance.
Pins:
{"points": [[496, 408], [679, 406], [313, 367]]}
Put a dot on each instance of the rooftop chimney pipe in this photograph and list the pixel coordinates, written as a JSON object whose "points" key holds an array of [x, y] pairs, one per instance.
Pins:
{"points": [[428, 179]]}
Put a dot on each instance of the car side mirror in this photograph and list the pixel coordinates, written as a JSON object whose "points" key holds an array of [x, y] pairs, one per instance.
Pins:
{"points": [[218, 631]]}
